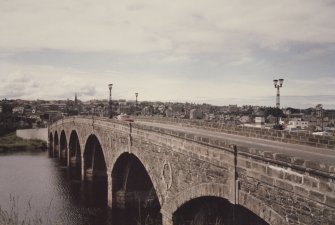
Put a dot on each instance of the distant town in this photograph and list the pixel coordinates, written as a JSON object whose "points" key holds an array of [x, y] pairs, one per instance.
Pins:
{"points": [[17, 114]]}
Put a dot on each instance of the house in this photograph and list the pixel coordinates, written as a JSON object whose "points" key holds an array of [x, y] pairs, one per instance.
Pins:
{"points": [[297, 123], [18, 110]]}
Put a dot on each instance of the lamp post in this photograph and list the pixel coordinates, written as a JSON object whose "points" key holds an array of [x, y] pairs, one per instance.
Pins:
{"points": [[136, 95], [110, 100], [278, 84]]}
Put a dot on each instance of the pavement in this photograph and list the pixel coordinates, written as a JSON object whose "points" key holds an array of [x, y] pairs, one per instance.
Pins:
{"points": [[320, 155]]}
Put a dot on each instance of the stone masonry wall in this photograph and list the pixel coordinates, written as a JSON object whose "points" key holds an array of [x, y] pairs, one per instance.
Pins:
{"points": [[278, 188]]}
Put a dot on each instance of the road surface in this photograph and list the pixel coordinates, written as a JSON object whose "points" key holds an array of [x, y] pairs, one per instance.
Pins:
{"points": [[302, 151]]}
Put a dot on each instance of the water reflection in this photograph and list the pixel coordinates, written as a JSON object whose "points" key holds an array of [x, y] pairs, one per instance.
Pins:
{"points": [[57, 194], [41, 182]]}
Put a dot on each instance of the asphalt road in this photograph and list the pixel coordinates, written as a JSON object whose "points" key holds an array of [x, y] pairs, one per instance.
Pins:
{"points": [[302, 151]]}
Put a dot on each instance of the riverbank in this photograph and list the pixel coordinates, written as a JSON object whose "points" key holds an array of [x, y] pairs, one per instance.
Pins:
{"points": [[12, 143]]}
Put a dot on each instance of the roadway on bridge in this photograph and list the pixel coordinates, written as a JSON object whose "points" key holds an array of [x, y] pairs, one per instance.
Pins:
{"points": [[302, 151]]}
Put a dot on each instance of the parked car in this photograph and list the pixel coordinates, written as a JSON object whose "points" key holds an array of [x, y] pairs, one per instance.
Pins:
{"points": [[125, 117]]}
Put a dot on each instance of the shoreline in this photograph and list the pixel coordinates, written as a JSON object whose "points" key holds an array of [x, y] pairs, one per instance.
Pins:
{"points": [[12, 143]]}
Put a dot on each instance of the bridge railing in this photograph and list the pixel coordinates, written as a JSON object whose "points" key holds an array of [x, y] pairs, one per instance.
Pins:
{"points": [[275, 135], [279, 158]]}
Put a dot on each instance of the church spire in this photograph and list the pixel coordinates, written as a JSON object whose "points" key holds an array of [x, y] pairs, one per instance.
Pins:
{"points": [[75, 99]]}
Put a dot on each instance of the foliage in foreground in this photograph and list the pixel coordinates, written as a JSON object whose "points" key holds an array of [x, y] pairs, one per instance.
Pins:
{"points": [[12, 216]]}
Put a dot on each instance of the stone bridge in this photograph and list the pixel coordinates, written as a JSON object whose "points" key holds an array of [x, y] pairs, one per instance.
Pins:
{"points": [[175, 166]]}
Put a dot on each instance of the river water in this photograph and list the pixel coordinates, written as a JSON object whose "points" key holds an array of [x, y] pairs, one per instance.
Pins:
{"points": [[36, 185]]}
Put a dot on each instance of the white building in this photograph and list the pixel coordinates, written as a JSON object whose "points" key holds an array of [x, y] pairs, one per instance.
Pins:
{"points": [[18, 110], [297, 123]]}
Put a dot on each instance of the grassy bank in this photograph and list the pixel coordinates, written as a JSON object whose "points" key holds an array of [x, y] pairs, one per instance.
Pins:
{"points": [[11, 143]]}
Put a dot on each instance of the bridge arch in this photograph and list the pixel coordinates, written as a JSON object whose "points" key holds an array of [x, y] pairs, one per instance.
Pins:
{"points": [[56, 145], [94, 160], [214, 210], [133, 189], [63, 147], [201, 190], [51, 144], [219, 193], [75, 154], [95, 171], [249, 203]]}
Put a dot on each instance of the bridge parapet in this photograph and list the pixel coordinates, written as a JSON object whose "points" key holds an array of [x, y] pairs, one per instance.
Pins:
{"points": [[263, 133]]}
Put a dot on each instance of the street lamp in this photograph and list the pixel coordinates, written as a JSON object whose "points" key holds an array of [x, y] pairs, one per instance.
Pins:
{"points": [[278, 84], [136, 95], [110, 100]]}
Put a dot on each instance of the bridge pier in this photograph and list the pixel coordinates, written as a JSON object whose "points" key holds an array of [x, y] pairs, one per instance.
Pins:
{"points": [[56, 151], [109, 191], [166, 218], [68, 156], [82, 167]]}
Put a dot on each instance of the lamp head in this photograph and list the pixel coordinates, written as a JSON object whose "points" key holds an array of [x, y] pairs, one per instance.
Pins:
{"points": [[281, 81], [275, 82], [110, 86]]}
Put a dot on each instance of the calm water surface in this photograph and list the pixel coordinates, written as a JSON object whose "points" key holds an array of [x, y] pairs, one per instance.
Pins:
{"points": [[41, 185]]}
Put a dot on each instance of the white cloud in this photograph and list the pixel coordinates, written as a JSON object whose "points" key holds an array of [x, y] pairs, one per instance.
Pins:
{"points": [[185, 27], [189, 50]]}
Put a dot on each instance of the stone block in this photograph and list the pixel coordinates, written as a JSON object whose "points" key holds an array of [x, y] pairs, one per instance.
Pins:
{"points": [[330, 201], [316, 196], [258, 167], [283, 157], [301, 190], [284, 185], [324, 187], [293, 177], [205, 140], [267, 180], [298, 161], [242, 149], [274, 172], [269, 155]]}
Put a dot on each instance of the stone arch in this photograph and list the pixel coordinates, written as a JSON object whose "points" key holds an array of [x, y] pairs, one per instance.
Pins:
{"points": [[214, 210], [56, 145], [261, 209], [249, 205], [155, 179], [63, 147], [94, 171], [132, 188], [94, 159], [51, 144], [75, 154], [201, 190]]}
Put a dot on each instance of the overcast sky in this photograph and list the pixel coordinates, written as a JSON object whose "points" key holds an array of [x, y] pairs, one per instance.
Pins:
{"points": [[219, 52]]}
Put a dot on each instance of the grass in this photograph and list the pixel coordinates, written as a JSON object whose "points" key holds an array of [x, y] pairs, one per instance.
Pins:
{"points": [[13, 217], [11, 142]]}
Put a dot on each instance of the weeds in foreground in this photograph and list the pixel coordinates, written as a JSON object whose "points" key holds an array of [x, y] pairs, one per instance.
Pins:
{"points": [[13, 217]]}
